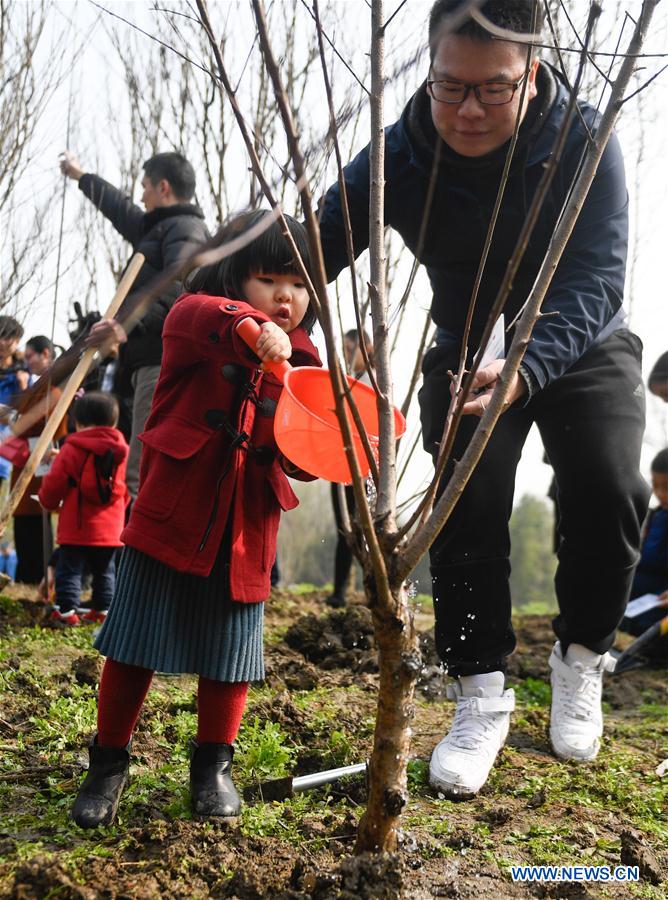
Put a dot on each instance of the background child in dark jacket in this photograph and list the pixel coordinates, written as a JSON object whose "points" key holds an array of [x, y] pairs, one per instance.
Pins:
{"points": [[651, 575], [88, 478]]}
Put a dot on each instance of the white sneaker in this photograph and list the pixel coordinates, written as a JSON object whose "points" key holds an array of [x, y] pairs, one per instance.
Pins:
{"points": [[461, 762], [576, 720]]}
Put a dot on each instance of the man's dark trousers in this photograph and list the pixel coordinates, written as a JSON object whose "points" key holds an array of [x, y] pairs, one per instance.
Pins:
{"points": [[591, 420]]}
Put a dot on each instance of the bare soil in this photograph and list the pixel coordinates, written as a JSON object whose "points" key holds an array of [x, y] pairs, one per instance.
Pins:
{"points": [[320, 692]]}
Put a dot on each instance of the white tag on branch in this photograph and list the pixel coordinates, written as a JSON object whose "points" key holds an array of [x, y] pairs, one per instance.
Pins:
{"points": [[496, 346]]}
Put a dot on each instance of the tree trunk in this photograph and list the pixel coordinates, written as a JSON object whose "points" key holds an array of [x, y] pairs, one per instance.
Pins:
{"points": [[399, 661]]}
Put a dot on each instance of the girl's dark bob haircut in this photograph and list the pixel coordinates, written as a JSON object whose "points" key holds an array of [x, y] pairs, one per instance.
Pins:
{"points": [[269, 252], [96, 408]]}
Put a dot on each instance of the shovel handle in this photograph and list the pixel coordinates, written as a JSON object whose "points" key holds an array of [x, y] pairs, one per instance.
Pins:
{"points": [[249, 331], [658, 629]]}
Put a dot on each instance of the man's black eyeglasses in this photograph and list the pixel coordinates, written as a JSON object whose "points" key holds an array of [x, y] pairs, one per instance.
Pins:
{"points": [[489, 93]]}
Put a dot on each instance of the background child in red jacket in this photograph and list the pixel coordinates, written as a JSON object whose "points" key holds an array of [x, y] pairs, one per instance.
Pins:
{"points": [[88, 478], [201, 539]]}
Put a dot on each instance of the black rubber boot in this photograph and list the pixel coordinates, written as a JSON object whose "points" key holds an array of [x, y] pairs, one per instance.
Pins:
{"points": [[212, 790], [100, 793]]}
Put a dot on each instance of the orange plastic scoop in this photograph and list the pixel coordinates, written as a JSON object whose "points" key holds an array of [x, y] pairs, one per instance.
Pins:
{"points": [[306, 427]]}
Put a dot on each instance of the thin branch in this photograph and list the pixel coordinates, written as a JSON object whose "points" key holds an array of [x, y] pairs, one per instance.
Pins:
{"points": [[345, 209], [152, 37], [454, 414], [386, 24], [579, 40], [564, 73], [426, 340], [423, 540], [333, 46], [504, 34], [409, 455], [324, 311], [463, 385], [642, 87], [385, 512]]}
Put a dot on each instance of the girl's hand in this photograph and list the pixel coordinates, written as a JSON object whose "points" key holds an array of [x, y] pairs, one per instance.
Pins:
{"points": [[273, 344]]}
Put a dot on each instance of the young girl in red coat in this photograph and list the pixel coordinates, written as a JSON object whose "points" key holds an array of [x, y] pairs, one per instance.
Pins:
{"points": [[88, 478], [201, 538]]}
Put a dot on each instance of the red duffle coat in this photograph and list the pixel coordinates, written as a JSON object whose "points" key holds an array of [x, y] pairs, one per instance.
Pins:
{"points": [[86, 517], [209, 456]]}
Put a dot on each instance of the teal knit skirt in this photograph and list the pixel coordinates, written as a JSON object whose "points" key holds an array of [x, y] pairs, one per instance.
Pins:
{"points": [[173, 622]]}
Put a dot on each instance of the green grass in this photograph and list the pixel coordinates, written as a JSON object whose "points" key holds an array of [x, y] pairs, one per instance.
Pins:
{"points": [[612, 785], [533, 692], [418, 774], [536, 608], [557, 811], [545, 844], [65, 719], [306, 588], [264, 751]]}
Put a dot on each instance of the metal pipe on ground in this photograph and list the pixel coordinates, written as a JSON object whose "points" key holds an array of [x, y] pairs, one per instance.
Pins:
{"points": [[284, 788]]}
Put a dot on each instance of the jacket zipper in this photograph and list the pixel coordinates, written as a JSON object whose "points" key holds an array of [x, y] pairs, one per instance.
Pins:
{"points": [[212, 518], [240, 439]]}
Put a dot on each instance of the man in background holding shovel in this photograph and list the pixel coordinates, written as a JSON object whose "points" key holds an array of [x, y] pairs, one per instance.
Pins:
{"points": [[169, 228], [580, 378]]}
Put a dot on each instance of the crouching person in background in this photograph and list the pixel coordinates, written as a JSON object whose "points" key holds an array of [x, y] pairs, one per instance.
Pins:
{"points": [[88, 478], [651, 575]]}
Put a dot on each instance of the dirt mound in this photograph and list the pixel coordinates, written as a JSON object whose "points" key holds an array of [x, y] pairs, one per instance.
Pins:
{"points": [[364, 877], [87, 669], [42, 877], [637, 852], [433, 677], [17, 610], [339, 640], [533, 806], [344, 640], [535, 639], [287, 668]]}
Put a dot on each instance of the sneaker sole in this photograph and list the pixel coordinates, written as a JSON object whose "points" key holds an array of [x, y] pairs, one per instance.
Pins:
{"points": [[587, 755], [450, 792]]}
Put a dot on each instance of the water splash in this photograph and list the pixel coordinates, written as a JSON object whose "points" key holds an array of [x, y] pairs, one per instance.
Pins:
{"points": [[371, 494]]}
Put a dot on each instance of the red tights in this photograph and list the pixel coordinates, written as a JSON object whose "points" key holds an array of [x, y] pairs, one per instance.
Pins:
{"points": [[123, 689]]}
